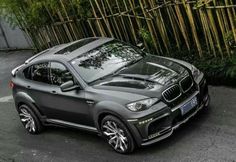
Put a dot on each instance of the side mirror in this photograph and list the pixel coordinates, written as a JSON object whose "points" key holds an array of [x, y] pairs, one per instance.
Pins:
{"points": [[68, 86]]}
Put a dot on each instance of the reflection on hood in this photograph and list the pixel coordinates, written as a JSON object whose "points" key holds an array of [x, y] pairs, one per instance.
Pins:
{"points": [[155, 69], [151, 73]]}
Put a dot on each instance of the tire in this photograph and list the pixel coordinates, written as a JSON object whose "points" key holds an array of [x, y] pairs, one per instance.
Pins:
{"points": [[117, 135], [29, 120]]}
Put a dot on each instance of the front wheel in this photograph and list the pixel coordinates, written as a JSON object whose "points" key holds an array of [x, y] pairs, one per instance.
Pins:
{"points": [[117, 135]]}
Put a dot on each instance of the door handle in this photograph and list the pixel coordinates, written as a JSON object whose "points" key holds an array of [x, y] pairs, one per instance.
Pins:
{"points": [[53, 92]]}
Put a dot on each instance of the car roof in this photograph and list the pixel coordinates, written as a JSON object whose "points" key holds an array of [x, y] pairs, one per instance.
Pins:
{"points": [[69, 51]]}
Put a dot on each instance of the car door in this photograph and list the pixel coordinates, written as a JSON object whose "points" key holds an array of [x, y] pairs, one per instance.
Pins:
{"points": [[70, 106], [39, 85], [43, 82]]}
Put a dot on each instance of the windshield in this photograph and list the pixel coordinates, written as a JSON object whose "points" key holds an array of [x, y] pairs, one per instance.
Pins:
{"points": [[105, 60]]}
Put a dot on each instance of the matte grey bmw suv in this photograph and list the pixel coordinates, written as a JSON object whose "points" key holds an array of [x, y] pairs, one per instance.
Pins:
{"points": [[103, 85]]}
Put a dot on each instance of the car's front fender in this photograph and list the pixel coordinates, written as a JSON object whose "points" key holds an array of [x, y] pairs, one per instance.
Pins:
{"points": [[111, 108]]}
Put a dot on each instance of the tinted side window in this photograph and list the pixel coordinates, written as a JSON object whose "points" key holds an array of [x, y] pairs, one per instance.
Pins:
{"points": [[59, 74], [40, 72], [27, 73]]}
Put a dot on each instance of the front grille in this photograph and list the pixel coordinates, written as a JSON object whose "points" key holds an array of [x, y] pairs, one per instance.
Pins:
{"points": [[186, 83], [184, 96], [172, 93]]}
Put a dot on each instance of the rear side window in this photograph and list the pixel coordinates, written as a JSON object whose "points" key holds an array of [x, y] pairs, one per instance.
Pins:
{"points": [[49, 72], [38, 72], [59, 74]]}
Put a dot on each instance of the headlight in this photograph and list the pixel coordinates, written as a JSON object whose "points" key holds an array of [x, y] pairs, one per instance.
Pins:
{"points": [[195, 72], [142, 104]]}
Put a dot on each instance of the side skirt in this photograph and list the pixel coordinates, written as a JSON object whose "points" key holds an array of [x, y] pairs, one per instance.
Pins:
{"points": [[73, 125]]}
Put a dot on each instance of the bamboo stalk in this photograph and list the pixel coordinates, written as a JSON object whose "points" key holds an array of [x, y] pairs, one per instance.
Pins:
{"points": [[167, 22], [220, 7], [150, 28], [233, 9], [55, 35], [193, 28], [131, 24], [222, 29], [117, 29], [174, 29], [232, 21], [67, 17], [182, 26], [137, 20], [104, 19], [65, 26], [122, 21], [214, 31], [161, 27], [91, 27], [100, 27]]}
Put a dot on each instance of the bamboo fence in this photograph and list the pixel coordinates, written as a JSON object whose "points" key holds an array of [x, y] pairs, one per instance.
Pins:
{"points": [[169, 24]]}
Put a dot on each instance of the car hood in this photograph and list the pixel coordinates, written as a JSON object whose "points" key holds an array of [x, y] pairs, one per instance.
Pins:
{"points": [[156, 69], [150, 74]]}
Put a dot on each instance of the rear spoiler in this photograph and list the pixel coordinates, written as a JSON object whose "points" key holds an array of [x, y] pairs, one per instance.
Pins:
{"points": [[15, 70]]}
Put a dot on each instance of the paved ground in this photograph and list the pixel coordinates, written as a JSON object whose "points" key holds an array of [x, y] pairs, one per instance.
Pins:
{"points": [[210, 136]]}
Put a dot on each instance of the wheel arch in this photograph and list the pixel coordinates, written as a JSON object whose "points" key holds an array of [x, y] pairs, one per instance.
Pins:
{"points": [[22, 98], [105, 109]]}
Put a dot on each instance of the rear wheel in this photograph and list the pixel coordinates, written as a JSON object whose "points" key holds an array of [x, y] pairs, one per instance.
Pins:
{"points": [[117, 135], [29, 120]]}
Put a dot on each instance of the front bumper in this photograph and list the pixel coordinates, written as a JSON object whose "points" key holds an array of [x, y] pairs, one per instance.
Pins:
{"points": [[169, 130], [160, 125]]}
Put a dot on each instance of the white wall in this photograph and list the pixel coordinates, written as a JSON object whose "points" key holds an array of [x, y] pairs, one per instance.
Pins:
{"points": [[13, 38]]}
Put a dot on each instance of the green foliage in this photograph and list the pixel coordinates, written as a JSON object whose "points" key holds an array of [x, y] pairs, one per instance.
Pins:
{"points": [[35, 13], [84, 9], [201, 3], [31, 13], [229, 36], [218, 71], [8, 10], [145, 34]]}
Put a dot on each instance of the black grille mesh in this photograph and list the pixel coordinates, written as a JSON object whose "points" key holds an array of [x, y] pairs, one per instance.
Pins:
{"points": [[186, 83], [172, 93]]}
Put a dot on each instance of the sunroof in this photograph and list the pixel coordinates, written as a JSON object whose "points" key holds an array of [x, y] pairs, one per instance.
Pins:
{"points": [[75, 46]]}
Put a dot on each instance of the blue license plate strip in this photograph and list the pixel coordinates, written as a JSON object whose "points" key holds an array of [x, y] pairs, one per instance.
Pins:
{"points": [[189, 105]]}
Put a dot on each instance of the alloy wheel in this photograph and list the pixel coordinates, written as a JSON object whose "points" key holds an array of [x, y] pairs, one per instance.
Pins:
{"points": [[115, 135], [27, 120]]}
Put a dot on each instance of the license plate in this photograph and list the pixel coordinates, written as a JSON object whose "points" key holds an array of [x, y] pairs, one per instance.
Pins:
{"points": [[189, 105]]}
